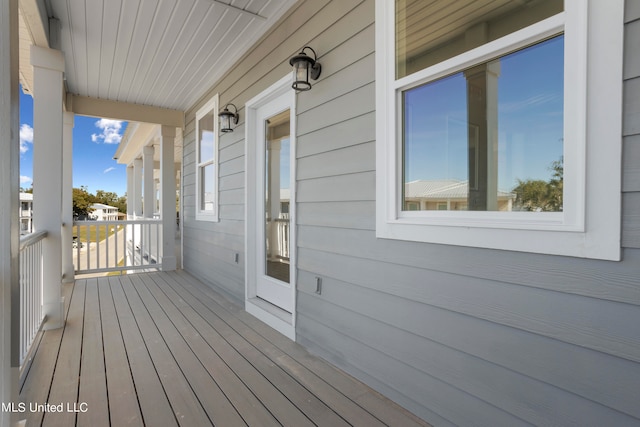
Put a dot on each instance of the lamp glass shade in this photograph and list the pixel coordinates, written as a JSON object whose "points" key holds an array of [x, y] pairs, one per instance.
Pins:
{"points": [[301, 70], [225, 122]]}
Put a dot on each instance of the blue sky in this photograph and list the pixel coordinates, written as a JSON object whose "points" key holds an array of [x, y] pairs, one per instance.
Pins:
{"points": [[94, 143]]}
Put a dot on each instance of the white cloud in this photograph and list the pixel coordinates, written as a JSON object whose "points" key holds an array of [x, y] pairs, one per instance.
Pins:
{"points": [[107, 170], [110, 131], [24, 179], [26, 136]]}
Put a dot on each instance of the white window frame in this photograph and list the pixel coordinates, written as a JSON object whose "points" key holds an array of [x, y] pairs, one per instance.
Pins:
{"points": [[590, 224], [210, 107]]}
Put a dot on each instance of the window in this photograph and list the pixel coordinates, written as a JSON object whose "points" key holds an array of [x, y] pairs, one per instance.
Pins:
{"points": [[488, 129], [207, 161]]}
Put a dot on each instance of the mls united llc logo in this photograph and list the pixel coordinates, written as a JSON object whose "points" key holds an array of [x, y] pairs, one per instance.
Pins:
{"points": [[22, 407]]}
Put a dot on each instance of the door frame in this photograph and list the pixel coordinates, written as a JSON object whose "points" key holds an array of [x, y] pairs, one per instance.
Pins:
{"points": [[277, 318]]}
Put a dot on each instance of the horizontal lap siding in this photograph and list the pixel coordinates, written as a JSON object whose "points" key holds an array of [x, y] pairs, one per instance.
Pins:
{"points": [[513, 338], [457, 335]]}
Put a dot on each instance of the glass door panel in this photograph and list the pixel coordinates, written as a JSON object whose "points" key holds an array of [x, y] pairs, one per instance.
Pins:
{"points": [[277, 196]]}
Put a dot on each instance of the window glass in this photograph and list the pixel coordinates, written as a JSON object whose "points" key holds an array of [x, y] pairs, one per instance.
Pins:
{"points": [[207, 180], [428, 32], [206, 137], [489, 138]]}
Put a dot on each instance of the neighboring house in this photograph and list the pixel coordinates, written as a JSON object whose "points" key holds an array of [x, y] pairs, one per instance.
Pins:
{"points": [[446, 195], [102, 212], [480, 316], [26, 213]]}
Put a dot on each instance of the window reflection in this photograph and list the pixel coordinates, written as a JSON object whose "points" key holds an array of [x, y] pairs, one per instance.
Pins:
{"points": [[489, 138]]}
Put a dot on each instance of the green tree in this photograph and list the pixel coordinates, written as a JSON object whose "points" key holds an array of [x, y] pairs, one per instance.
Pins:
{"points": [[539, 195], [82, 201], [110, 198]]}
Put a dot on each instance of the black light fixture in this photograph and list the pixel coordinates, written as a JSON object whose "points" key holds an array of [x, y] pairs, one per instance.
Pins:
{"points": [[226, 117], [304, 68]]}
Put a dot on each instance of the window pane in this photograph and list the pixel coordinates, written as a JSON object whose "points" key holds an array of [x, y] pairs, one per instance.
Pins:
{"points": [[207, 178], [206, 137], [428, 32], [489, 138]]}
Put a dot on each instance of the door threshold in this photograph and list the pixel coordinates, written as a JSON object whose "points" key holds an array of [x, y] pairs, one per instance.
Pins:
{"points": [[275, 317]]}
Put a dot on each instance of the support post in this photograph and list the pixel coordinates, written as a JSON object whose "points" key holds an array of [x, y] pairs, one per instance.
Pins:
{"points": [[48, 66], [147, 167], [130, 192], [9, 199], [137, 188], [68, 274], [168, 197]]}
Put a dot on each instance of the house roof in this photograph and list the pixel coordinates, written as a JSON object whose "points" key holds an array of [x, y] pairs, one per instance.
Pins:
{"points": [[159, 54], [442, 189], [26, 197], [102, 206]]}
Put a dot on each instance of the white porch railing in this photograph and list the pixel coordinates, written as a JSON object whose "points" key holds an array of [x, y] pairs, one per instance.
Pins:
{"points": [[31, 277], [106, 246]]}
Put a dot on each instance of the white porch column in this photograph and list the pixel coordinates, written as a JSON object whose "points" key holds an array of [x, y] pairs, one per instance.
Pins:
{"points": [[67, 198], [48, 66], [147, 167], [156, 196], [130, 192], [137, 187], [168, 197], [9, 200]]}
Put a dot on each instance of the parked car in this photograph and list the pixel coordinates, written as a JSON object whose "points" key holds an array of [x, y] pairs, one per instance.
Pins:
{"points": [[77, 243]]}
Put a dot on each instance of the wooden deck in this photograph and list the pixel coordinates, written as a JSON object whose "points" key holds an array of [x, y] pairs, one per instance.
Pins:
{"points": [[162, 349]]}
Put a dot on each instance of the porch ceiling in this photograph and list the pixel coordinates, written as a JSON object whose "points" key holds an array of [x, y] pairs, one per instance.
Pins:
{"points": [[160, 53]]}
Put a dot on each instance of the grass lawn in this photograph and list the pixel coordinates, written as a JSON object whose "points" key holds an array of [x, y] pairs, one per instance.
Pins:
{"points": [[94, 233], [118, 273]]}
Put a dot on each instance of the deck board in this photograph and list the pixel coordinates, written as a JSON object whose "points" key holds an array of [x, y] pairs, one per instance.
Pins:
{"points": [[154, 405], [64, 387], [44, 362], [241, 397], [123, 406], [93, 381], [164, 349]]}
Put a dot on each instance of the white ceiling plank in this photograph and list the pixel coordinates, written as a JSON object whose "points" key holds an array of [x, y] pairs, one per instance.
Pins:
{"points": [[94, 23], [240, 10], [77, 20], [214, 48], [189, 36], [169, 45], [164, 53], [127, 20], [152, 47], [146, 15], [110, 26], [217, 59], [190, 53]]}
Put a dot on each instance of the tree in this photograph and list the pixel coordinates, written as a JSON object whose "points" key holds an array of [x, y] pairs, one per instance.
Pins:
{"points": [[82, 202], [542, 196], [110, 198]]}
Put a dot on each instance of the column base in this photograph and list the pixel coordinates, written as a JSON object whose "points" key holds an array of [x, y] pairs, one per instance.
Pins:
{"points": [[53, 315], [169, 263]]}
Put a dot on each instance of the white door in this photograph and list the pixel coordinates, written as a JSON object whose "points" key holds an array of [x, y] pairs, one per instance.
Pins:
{"points": [[270, 201]]}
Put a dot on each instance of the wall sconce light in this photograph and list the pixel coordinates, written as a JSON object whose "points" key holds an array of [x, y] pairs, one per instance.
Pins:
{"points": [[304, 67], [226, 117]]}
